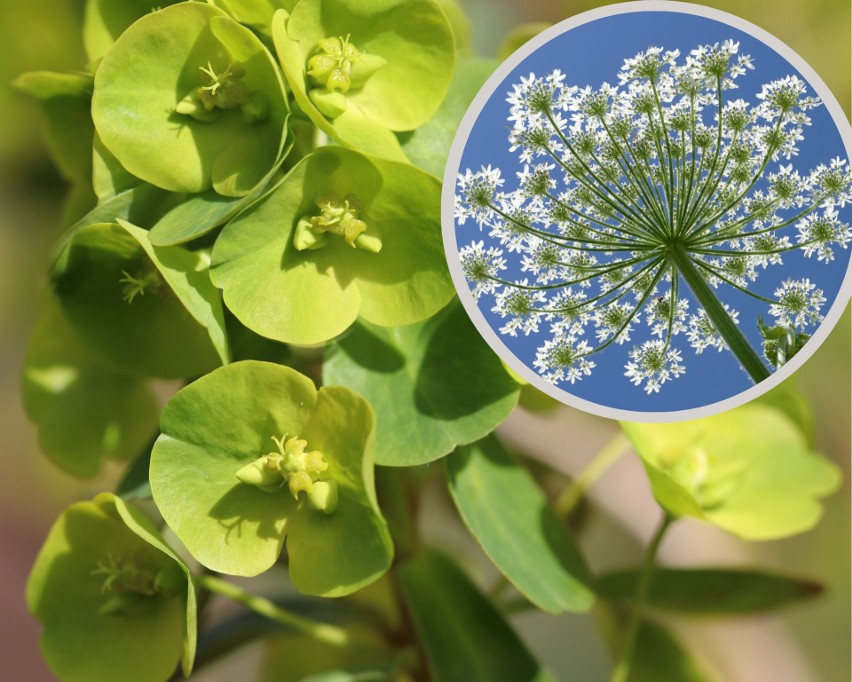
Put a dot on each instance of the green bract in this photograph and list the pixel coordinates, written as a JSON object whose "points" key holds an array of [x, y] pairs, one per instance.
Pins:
{"points": [[84, 410], [358, 67], [147, 310], [232, 480], [188, 99], [748, 471], [115, 602], [341, 234], [434, 385], [105, 20]]}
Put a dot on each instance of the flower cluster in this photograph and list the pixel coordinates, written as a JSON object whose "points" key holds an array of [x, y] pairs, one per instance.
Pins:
{"points": [[630, 197]]}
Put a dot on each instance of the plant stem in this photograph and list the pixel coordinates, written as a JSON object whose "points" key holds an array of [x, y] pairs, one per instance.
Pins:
{"points": [[625, 658], [717, 314], [322, 632], [597, 467]]}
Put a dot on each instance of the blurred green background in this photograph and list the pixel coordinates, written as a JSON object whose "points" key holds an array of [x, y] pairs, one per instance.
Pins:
{"points": [[808, 643]]}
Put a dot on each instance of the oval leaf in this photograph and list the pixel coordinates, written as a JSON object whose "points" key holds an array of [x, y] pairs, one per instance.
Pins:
{"points": [[465, 636], [434, 385], [509, 516]]}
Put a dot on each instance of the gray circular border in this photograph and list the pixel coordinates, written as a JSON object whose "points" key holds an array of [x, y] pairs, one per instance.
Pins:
{"points": [[449, 228]]}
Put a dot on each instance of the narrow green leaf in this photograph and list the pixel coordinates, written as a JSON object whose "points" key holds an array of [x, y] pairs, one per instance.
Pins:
{"points": [[509, 516], [434, 385], [710, 591], [465, 636]]}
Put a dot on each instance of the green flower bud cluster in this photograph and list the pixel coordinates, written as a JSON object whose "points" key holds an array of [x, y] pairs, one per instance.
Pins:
{"points": [[301, 469], [336, 68]]}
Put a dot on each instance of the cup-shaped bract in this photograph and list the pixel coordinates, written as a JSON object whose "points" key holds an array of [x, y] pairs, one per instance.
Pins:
{"points": [[115, 601], [748, 471], [385, 64], [341, 234], [188, 99], [252, 453], [150, 311]]}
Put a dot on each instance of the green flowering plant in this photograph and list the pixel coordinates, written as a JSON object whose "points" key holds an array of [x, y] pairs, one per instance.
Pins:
{"points": [[106, 582], [255, 217]]}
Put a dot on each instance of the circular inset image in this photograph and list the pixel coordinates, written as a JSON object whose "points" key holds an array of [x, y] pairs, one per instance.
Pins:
{"points": [[646, 211]]}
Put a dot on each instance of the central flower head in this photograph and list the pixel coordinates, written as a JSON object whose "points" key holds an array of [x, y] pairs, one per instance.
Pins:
{"points": [[223, 89], [338, 217], [301, 469], [336, 68]]}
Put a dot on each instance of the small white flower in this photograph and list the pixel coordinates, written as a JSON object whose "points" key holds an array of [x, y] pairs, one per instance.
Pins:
{"points": [[799, 304], [655, 363], [562, 358]]}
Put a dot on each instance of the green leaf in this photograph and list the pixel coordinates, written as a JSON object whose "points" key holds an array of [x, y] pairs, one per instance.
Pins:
{"points": [[429, 145], [225, 421], [137, 637], [310, 296], [151, 335], [787, 398], [509, 516], [319, 661], [85, 412], [660, 656], [255, 13], [434, 385], [710, 591], [412, 37], [520, 36], [748, 471], [188, 275], [109, 177], [465, 636], [157, 63], [202, 213], [65, 100], [105, 20], [460, 24]]}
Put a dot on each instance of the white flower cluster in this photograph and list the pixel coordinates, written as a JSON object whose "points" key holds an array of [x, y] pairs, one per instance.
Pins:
{"points": [[624, 194]]}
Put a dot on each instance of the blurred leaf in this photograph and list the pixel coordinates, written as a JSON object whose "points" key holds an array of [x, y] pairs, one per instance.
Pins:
{"points": [[65, 100], [134, 485], [748, 471], [787, 398], [429, 145], [459, 23], [660, 656], [434, 385], [298, 658], [520, 36], [465, 636], [84, 411], [711, 591], [509, 516], [105, 20]]}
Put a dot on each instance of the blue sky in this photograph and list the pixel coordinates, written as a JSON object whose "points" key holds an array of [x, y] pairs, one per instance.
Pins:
{"points": [[590, 55]]}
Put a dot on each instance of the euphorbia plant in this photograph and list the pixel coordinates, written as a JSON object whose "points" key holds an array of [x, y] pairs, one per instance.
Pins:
{"points": [[298, 293]]}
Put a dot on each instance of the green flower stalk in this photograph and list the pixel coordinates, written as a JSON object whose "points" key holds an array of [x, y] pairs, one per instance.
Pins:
{"points": [[630, 196]]}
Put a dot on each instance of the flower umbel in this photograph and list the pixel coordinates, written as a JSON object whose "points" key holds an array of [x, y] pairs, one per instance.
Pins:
{"points": [[653, 199]]}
